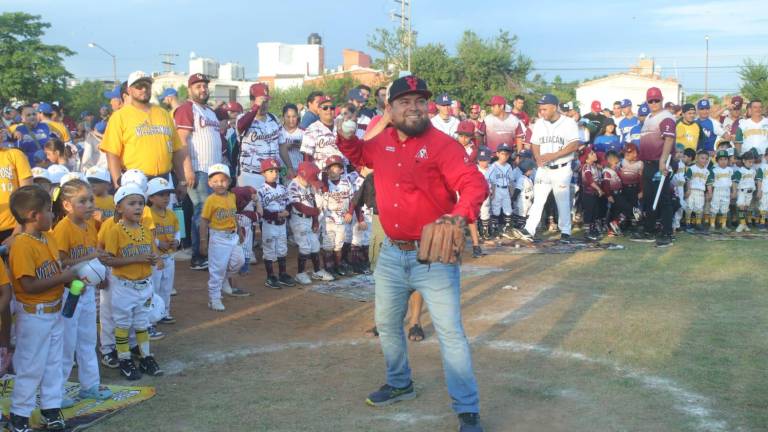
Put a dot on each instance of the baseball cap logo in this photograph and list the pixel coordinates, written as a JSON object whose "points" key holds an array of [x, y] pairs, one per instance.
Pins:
{"points": [[412, 82]]}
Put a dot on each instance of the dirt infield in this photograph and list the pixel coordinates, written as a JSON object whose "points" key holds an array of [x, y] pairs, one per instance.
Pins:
{"points": [[638, 339]]}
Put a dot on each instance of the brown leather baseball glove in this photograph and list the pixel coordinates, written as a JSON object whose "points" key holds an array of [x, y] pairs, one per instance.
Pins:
{"points": [[442, 241]]}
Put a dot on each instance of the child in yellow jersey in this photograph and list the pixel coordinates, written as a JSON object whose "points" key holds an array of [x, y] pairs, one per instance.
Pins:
{"points": [[101, 181], [75, 235], [168, 237], [38, 284], [132, 253], [219, 221]]}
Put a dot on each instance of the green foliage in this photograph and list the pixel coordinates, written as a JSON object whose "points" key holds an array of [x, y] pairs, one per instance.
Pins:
{"points": [[440, 70], [754, 78], [393, 47], [564, 90], [29, 69], [337, 88], [182, 93], [86, 96], [695, 97]]}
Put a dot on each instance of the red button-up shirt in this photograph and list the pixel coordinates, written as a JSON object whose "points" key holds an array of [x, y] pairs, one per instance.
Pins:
{"points": [[417, 180]]}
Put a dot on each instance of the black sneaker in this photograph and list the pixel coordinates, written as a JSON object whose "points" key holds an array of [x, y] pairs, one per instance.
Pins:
{"points": [[128, 370], [387, 395], [18, 423], [110, 360], [272, 282], [565, 238], [664, 241], [470, 422], [149, 366], [199, 264], [286, 280], [342, 270], [477, 252], [522, 234], [643, 237], [53, 419], [136, 352], [592, 235]]}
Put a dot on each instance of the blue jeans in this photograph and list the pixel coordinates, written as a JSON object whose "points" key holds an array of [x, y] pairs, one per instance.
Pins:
{"points": [[197, 194], [397, 275]]}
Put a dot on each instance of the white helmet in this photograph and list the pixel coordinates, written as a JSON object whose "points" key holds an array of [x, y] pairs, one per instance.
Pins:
{"points": [[56, 172], [98, 173], [134, 176], [41, 173], [157, 185], [72, 176], [156, 309], [91, 272], [129, 189]]}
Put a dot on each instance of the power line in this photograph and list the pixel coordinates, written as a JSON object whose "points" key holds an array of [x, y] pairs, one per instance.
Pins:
{"points": [[554, 69]]}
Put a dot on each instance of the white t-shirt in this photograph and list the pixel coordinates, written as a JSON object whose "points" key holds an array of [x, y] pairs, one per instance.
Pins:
{"points": [[293, 141], [754, 135], [553, 136], [447, 127]]}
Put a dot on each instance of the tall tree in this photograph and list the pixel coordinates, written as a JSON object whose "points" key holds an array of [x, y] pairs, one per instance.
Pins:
{"points": [[393, 47], [441, 71], [695, 97], [754, 80], [86, 96], [29, 69]]}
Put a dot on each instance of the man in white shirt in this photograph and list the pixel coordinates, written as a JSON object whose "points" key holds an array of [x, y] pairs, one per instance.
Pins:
{"points": [[752, 132], [444, 121]]}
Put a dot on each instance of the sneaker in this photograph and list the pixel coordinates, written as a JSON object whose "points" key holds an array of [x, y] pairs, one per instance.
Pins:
{"points": [[199, 264], [741, 228], [477, 252], [149, 366], [96, 393], [183, 255], [642, 236], [53, 419], [272, 282], [523, 234], [565, 238], [387, 395], [303, 278], [226, 288], [322, 275], [342, 269], [110, 360], [469, 422], [614, 225], [173, 292], [216, 305], [167, 320], [155, 334], [286, 280], [67, 402], [128, 370], [18, 423], [592, 235], [664, 241], [237, 292], [637, 213]]}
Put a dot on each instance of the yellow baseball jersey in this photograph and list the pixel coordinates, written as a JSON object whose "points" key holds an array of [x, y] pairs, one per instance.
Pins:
{"points": [[14, 167], [220, 211], [105, 207], [60, 129], [688, 134], [166, 225], [4, 278], [38, 259], [123, 242], [146, 221], [74, 240], [143, 140]]}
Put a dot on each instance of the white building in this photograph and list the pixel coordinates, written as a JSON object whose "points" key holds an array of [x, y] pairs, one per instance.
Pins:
{"points": [[227, 80], [289, 65], [630, 85]]}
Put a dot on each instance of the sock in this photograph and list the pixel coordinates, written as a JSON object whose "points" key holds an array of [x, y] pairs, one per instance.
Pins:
{"points": [[697, 220], [302, 263], [742, 217], [705, 218], [762, 217], [282, 266], [315, 257], [142, 338], [268, 266], [121, 343], [713, 219], [337, 258], [354, 255], [345, 251]]}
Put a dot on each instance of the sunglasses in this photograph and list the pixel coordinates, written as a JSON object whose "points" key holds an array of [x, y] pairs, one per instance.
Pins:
{"points": [[327, 107], [654, 101]]}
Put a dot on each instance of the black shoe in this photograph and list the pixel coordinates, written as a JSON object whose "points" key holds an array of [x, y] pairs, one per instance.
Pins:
{"points": [[199, 264], [18, 423], [523, 234], [387, 395], [272, 282], [53, 419], [664, 241], [128, 370], [149, 366], [342, 270], [565, 238], [643, 237], [470, 422], [286, 280], [110, 360], [477, 252], [136, 352]]}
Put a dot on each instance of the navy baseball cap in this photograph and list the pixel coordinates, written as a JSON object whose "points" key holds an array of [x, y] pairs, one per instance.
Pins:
{"points": [[44, 108], [626, 103], [170, 91], [484, 155], [644, 110], [504, 147], [548, 99], [702, 104], [526, 165], [688, 107], [526, 154], [406, 85], [113, 94], [443, 99], [356, 95]]}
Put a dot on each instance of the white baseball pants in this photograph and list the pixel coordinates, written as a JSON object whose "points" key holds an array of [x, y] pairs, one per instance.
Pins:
{"points": [[162, 281], [764, 200], [501, 201], [130, 302], [307, 241], [79, 340], [557, 181], [274, 241], [721, 200], [333, 236], [695, 202], [225, 257], [744, 197], [485, 209]]}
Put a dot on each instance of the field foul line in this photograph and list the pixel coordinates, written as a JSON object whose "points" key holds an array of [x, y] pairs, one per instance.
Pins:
{"points": [[691, 404]]}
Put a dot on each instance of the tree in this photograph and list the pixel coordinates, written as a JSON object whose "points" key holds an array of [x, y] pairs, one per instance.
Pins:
{"points": [[695, 97], [441, 71], [337, 88], [754, 80], [393, 46], [86, 96], [29, 69]]}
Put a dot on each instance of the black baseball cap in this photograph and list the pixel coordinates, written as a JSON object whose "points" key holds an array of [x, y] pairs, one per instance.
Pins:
{"points": [[407, 85]]}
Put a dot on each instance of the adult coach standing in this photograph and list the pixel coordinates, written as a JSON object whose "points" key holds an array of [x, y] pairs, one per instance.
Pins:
{"points": [[143, 136], [260, 137], [419, 172], [198, 128], [554, 141], [502, 127]]}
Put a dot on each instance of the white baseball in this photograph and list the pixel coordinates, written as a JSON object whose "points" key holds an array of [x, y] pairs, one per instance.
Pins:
{"points": [[156, 309], [92, 272], [348, 127]]}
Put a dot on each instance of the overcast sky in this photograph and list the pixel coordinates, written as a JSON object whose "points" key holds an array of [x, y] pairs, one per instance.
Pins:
{"points": [[577, 40]]}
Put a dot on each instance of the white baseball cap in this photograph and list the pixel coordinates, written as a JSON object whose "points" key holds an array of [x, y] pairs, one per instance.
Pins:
{"points": [[136, 177], [157, 185], [218, 168], [40, 173], [72, 176], [98, 173], [137, 76], [128, 189], [56, 172]]}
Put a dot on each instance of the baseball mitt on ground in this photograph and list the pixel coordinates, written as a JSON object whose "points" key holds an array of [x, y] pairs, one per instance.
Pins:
{"points": [[442, 241]]}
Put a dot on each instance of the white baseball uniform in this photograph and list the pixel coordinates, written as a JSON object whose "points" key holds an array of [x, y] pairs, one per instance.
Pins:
{"points": [[746, 184], [319, 141], [556, 175], [501, 180], [696, 177], [361, 237], [721, 181], [274, 238], [525, 198], [763, 204], [261, 141], [79, 341], [301, 224], [335, 203], [678, 182], [225, 258], [293, 141], [447, 127], [485, 207]]}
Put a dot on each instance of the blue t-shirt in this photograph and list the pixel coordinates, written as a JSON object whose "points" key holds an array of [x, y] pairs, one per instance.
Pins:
{"points": [[625, 128], [604, 143], [634, 135], [308, 118], [33, 142], [708, 130]]}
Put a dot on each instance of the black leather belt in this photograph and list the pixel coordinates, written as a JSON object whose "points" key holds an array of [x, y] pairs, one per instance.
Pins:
{"points": [[556, 166], [405, 245]]}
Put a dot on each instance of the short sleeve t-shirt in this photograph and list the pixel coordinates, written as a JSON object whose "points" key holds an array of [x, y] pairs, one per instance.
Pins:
{"points": [[206, 148], [14, 167], [75, 241], [32, 257], [656, 128], [553, 136], [123, 242], [220, 212], [499, 131], [32, 141], [105, 206], [753, 135], [166, 225]]}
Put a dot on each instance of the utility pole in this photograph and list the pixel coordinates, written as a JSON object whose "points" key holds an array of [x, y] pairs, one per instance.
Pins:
{"points": [[406, 31], [706, 69], [168, 62]]}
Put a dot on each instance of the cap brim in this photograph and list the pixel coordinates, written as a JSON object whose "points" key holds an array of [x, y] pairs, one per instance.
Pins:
{"points": [[147, 79], [426, 93]]}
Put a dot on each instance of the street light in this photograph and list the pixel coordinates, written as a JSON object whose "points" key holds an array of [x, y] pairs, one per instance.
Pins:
{"points": [[114, 59], [706, 69]]}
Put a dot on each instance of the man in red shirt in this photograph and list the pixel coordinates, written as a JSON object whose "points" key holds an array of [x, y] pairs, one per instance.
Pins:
{"points": [[474, 117], [419, 173]]}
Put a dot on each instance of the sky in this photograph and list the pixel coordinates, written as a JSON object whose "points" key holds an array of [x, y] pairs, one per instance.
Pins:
{"points": [[577, 40]]}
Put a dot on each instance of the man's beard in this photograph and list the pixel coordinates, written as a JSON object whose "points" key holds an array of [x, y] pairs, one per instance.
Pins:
{"points": [[411, 129], [201, 100], [143, 100]]}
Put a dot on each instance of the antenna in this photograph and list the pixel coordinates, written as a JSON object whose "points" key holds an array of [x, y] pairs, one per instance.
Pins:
{"points": [[168, 62], [405, 25]]}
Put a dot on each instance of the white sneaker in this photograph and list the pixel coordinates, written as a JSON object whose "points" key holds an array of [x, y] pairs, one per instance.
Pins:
{"points": [[173, 291], [216, 305], [323, 275], [303, 278], [741, 228], [183, 255], [226, 288]]}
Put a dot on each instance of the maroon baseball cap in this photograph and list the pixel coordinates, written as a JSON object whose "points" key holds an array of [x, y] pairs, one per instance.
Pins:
{"points": [[268, 164], [596, 106], [260, 89], [474, 107], [737, 102], [466, 127], [196, 78], [653, 93], [334, 160], [432, 107], [308, 171], [233, 106], [324, 99], [497, 100]]}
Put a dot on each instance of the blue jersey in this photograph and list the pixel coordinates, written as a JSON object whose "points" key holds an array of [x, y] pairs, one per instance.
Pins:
{"points": [[308, 118], [709, 135], [604, 143], [634, 134], [625, 128], [33, 142]]}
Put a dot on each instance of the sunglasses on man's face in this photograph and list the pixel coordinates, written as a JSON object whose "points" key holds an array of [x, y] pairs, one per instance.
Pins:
{"points": [[327, 107], [654, 101]]}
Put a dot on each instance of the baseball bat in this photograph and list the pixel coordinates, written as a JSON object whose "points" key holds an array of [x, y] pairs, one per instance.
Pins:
{"points": [[661, 184]]}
